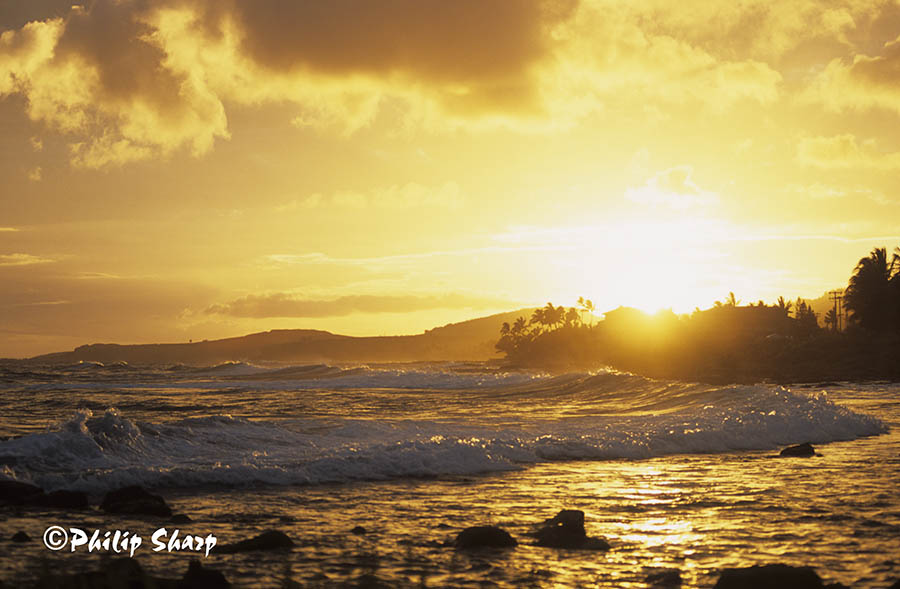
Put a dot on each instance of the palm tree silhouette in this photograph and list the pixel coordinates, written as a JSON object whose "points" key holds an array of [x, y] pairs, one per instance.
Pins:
{"points": [[785, 306], [871, 295]]}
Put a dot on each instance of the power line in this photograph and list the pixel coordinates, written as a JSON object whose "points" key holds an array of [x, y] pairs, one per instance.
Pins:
{"points": [[837, 296]]}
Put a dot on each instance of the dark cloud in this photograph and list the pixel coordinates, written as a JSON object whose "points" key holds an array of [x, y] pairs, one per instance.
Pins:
{"points": [[15, 13], [459, 41], [284, 305]]}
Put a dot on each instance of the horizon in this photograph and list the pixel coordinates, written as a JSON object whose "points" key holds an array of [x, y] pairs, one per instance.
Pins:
{"points": [[184, 172], [597, 317]]}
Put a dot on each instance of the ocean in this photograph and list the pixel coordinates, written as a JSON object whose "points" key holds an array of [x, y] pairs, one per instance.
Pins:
{"points": [[676, 476]]}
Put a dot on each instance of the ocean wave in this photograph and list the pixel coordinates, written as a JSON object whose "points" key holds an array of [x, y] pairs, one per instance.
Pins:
{"points": [[573, 417]]}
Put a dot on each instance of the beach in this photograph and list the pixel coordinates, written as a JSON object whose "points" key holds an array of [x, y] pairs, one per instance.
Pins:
{"points": [[372, 471]]}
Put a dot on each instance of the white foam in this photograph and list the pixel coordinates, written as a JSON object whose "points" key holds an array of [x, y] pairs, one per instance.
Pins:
{"points": [[607, 417]]}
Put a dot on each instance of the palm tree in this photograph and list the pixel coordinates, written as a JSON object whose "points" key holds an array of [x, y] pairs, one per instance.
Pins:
{"points": [[785, 306], [587, 306], [869, 295], [731, 301]]}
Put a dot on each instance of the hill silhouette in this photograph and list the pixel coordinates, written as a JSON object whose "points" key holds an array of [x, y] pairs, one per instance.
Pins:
{"points": [[467, 340]]}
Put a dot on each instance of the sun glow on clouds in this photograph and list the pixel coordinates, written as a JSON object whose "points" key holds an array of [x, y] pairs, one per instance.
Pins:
{"points": [[286, 161]]}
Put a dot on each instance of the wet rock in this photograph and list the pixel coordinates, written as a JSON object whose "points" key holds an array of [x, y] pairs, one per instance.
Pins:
{"points": [[484, 537], [566, 530], [359, 531], [121, 573], [836, 586], [135, 500], [63, 500], [895, 585], [268, 540], [200, 577], [670, 578], [16, 493], [802, 450], [770, 576], [180, 518], [21, 536], [369, 581]]}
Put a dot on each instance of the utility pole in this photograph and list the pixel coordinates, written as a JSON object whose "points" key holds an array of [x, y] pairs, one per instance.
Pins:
{"points": [[837, 296]]}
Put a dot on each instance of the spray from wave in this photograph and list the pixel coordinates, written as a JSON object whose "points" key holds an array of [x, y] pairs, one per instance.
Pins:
{"points": [[422, 423]]}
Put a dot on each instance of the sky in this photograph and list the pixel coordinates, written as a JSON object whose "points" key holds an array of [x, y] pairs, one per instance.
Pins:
{"points": [[178, 170]]}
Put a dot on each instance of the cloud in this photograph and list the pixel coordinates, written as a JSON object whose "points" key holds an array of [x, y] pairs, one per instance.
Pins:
{"points": [[673, 188], [22, 260], [286, 305], [861, 82], [843, 151], [130, 81], [408, 196], [35, 174], [8, 230]]}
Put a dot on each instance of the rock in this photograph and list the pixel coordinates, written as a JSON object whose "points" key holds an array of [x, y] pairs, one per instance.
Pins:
{"points": [[135, 500], [359, 531], [670, 578], [770, 576], [200, 577], [566, 530], [484, 537], [369, 581], [836, 586], [180, 518], [21, 536], [16, 493], [803, 450], [268, 540], [895, 585], [121, 573], [63, 500]]}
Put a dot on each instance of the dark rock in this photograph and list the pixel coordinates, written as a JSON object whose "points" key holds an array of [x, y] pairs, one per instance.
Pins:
{"points": [[121, 573], [200, 577], [484, 537], [135, 500], [268, 540], [566, 530], [368, 581], [63, 500], [21, 537], [359, 531], [896, 585], [836, 586], [770, 576], [670, 578], [443, 526], [16, 493], [180, 518], [803, 450]]}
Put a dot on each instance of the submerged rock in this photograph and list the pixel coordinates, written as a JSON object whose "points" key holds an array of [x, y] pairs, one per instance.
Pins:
{"points": [[16, 493], [118, 573], [770, 576], [135, 500], [566, 530], [198, 576], [63, 500], [670, 578], [268, 540], [359, 531], [180, 518], [802, 450], [484, 537], [20, 536]]}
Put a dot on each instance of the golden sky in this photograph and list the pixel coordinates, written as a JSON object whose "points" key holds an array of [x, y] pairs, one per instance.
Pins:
{"points": [[190, 169]]}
